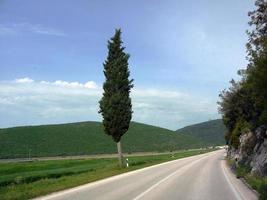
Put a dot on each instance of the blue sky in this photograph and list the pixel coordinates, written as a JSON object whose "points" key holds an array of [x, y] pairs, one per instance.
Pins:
{"points": [[182, 54]]}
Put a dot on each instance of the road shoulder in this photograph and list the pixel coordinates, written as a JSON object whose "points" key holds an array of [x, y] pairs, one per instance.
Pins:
{"points": [[241, 189]]}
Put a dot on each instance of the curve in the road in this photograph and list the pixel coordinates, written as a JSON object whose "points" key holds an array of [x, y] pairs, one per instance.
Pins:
{"points": [[201, 177]]}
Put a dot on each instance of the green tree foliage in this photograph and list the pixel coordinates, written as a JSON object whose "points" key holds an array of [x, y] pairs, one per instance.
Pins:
{"points": [[244, 104], [238, 108], [256, 74], [115, 105]]}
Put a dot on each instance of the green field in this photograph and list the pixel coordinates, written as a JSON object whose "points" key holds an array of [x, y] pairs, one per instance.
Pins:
{"points": [[209, 133], [26, 180], [87, 138]]}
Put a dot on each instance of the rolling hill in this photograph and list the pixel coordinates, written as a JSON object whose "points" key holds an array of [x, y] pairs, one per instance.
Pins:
{"points": [[209, 133], [85, 138]]}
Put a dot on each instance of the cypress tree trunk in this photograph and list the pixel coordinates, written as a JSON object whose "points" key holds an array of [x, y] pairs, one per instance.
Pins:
{"points": [[120, 156]]}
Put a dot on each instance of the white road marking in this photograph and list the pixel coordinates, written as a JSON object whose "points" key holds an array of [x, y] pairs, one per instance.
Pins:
{"points": [[110, 179], [181, 170], [235, 190]]}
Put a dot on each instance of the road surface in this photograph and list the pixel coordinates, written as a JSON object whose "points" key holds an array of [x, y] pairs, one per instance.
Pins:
{"points": [[201, 177]]}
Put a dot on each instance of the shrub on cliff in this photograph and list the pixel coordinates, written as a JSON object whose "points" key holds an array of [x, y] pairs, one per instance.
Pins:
{"points": [[244, 104]]}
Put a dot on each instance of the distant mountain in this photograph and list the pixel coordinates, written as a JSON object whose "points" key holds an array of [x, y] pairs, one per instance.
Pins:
{"points": [[85, 138], [210, 132]]}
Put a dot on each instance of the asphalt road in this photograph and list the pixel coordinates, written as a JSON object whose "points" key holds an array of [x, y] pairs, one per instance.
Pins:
{"points": [[201, 177]]}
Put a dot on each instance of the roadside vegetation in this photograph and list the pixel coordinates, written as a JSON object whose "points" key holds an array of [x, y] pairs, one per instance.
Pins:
{"points": [[115, 105], [244, 105], [256, 182], [24, 180]]}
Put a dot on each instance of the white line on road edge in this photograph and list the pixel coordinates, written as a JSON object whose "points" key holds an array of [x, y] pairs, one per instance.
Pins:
{"points": [[112, 178], [167, 177], [237, 193]]}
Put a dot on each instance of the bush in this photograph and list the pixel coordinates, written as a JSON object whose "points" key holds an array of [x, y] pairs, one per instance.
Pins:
{"points": [[242, 171], [241, 127], [263, 191], [135, 163], [259, 184], [263, 117]]}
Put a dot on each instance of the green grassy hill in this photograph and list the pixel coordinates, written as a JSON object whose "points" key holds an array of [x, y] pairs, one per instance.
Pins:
{"points": [[87, 138], [210, 132]]}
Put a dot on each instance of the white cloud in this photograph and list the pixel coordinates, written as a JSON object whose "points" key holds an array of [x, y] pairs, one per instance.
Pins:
{"points": [[13, 28], [24, 80], [67, 84], [25, 101], [88, 84]]}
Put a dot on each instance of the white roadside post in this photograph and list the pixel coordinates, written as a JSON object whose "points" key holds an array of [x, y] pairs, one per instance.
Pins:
{"points": [[127, 162]]}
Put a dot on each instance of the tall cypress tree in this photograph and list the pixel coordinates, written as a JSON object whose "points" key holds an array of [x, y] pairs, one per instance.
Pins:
{"points": [[115, 105]]}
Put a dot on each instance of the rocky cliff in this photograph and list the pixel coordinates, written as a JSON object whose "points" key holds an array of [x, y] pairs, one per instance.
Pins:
{"points": [[252, 151]]}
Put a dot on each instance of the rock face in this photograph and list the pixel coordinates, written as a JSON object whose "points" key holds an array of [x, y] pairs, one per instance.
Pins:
{"points": [[252, 151], [245, 150], [259, 160]]}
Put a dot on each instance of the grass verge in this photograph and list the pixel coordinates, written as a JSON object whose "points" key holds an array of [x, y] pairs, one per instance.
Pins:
{"points": [[257, 183], [26, 180]]}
